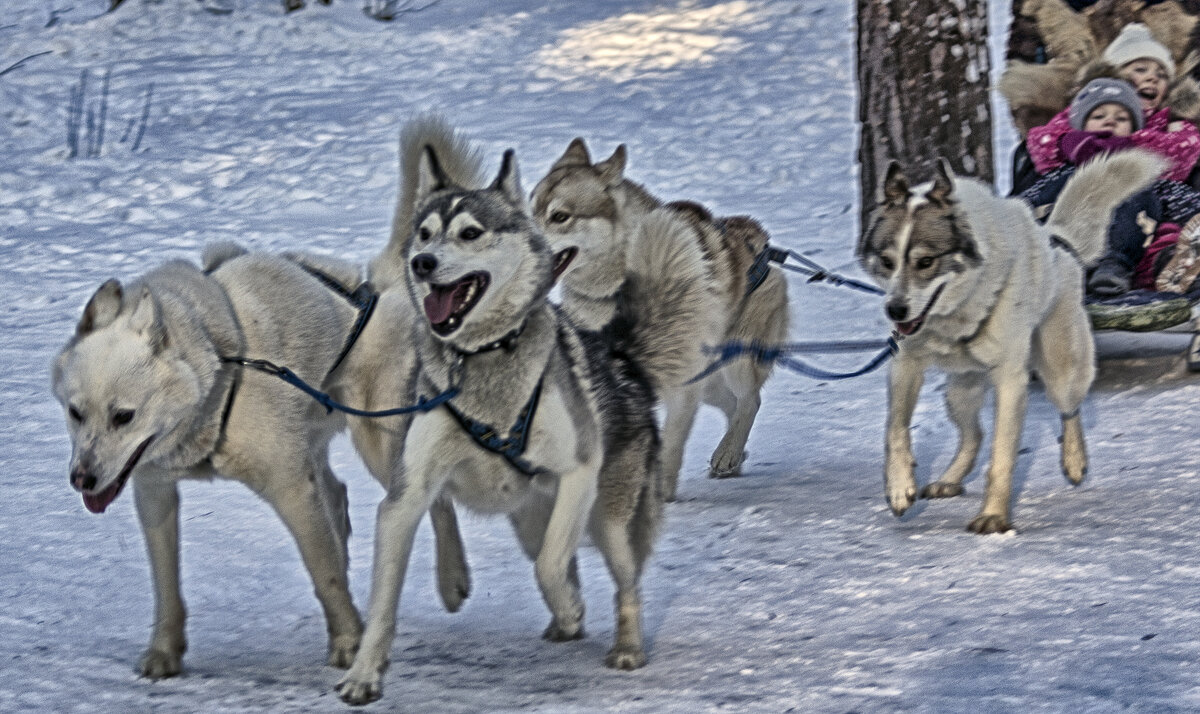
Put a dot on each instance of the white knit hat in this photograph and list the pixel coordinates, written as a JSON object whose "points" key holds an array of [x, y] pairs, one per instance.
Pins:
{"points": [[1134, 43]]}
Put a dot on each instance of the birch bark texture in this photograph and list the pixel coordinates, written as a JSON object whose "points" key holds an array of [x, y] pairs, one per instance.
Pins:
{"points": [[924, 90]]}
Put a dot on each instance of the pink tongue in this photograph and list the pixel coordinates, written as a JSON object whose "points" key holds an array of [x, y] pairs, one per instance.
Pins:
{"points": [[96, 503], [439, 303]]}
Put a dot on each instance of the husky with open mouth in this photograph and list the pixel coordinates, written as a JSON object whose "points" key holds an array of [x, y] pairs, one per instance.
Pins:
{"points": [[978, 289], [150, 399], [677, 280], [550, 425]]}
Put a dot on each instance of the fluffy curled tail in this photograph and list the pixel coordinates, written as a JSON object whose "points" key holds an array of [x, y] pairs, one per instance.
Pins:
{"points": [[222, 251], [672, 299], [1085, 206], [461, 163]]}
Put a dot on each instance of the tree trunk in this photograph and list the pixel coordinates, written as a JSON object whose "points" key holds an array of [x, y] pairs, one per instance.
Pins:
{"points": [[923, 69]]}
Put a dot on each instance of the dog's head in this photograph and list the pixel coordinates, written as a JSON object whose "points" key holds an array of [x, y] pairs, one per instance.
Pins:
{"points": [[476, 262], [124, 391], [576, 208], [917, 243]]}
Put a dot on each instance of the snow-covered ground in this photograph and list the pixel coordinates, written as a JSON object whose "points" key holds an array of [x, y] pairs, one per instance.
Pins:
{"points": [[793, 588]]}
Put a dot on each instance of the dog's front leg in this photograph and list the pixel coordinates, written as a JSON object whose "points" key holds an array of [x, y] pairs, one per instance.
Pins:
{"points": [[396, 525], [904, 387], [572, 508], [157, 502], [1012, 394]]}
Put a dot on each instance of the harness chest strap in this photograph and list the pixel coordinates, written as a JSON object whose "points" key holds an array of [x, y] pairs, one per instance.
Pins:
{"points": [[513, 447]]}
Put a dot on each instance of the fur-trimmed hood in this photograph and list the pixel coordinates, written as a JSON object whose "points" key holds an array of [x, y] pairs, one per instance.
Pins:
{"points": [[1074, 44]]}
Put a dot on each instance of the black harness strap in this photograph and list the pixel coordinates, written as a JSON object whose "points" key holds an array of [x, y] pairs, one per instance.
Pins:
{"points": [[511, 448], [1057, 242], [363, 298], [762, 266]]}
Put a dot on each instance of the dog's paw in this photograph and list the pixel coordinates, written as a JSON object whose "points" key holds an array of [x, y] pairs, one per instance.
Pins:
{"points": [[625, 657], [157, 664], [342, 650], [1075, 473], [986, 523], [937, 489], [454, 588], [726, 463], [901, 497], [557, 632], [358, 689]]}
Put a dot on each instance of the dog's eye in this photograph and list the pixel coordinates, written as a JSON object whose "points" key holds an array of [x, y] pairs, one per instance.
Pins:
{"points": [[560, 217], [887, 263], [121, 417], [75, 414], [469, 233], [423, 234], [924, 263]]}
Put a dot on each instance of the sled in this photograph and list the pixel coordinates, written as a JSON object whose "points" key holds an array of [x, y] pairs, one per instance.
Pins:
{"points": [[1039, 87]]}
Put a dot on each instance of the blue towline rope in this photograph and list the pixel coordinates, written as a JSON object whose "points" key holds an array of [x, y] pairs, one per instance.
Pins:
{"points": [[778, 354], [330, 404]]}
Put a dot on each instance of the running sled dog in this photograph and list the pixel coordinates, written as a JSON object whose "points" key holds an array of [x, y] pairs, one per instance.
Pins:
{"points": [[979, 290], [679, 278], [550, 424], [150, 398]]}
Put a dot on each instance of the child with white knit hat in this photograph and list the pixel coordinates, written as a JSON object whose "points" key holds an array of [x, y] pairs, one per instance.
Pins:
{"points": [[1143, 62], [1058, 146]]}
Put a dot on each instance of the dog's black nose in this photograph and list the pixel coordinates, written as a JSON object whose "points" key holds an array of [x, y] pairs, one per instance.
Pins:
{"points": [[423, 265], [897, 311], [81, 480]]}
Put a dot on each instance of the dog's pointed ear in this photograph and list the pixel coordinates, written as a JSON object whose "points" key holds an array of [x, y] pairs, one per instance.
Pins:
{"points": [[430, 176], [612, 169], [575, 155], [102, 308], [895, 186], [942, 192], [147, 321], [508, 181]]}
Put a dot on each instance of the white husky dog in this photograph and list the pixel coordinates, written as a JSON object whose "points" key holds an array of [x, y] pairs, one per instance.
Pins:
{"points": [[981, 291], [550, 424], [149, 398]]}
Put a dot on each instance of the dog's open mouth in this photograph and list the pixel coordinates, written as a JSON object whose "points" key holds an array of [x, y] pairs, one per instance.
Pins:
{"points": [[562, 259], [911, 326], [97, 502], [446, 305]]}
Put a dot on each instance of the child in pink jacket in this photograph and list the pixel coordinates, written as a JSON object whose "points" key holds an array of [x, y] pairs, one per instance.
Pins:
{"points": [[1060, 145]]}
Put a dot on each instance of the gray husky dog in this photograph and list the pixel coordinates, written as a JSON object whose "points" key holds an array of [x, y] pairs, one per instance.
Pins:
{"points": [[677, 278], [549, 424], [978, 289], [150, 398]]}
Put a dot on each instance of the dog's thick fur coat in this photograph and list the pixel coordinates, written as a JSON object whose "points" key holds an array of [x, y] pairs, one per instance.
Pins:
{"points": [[669, 280], [981, 291], [478, 268], [148, 399]]}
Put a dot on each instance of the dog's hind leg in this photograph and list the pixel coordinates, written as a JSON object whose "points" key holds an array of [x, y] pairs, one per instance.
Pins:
{"points": [[300, 506], [681, 405], [1064, 357], [1012, 395], [158, 510], [623, 525], [453, 575], [964, 400], [735, 392], [529, 523]]}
